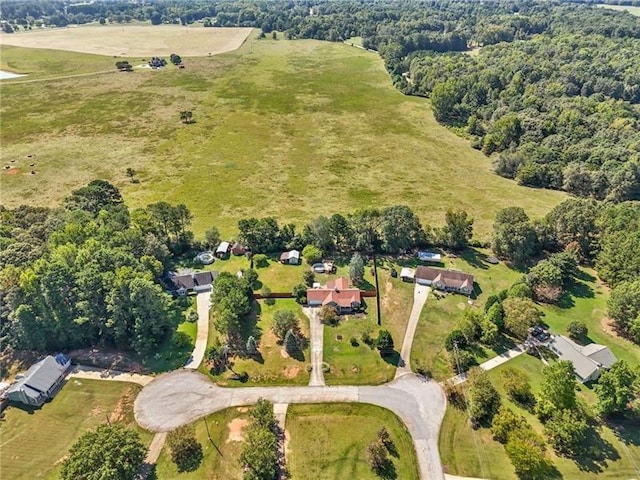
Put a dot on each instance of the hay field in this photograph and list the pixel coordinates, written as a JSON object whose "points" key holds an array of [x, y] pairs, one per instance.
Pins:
{"points": [[133, 41], [621, 8], [292, 129]]}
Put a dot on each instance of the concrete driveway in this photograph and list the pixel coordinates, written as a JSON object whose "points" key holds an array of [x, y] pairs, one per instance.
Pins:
{"points": [[203, 301], [183, 396], [316, 330], [420, 294]]}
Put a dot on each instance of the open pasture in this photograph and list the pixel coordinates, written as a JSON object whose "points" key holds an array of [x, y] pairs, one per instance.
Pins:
{"points": [[33, 443], [291, 129], [133, 41]]}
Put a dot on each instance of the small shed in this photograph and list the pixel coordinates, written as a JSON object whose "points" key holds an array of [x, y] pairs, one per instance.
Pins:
{"points": [[292, 257], [223, 249], [407, 274], [238, 249], [41, 382]]}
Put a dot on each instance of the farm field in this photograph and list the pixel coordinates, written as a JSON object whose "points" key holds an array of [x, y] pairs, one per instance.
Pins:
{"points": [[622, 8], [474, 453], [33, 443], [132, 41], [292, 129], [329, 441]]}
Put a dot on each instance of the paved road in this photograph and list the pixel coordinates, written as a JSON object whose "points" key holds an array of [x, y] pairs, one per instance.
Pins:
{"points": [[203, 301], [182, 396], [316, 330], [493, 363], [420, 294], [91, 373]]}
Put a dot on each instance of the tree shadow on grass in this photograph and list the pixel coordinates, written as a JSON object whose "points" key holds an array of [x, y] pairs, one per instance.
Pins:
{"points": [[585, 276], [392, 357], [596, 453], [387, 471], [627, 430], [503, 343], [475, 258], [574, 290]]}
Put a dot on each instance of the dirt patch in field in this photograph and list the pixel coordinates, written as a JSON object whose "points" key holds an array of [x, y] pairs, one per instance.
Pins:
{"points": [[243, 409], [12, 171], [291, 372], [236, 426], [124, 408], [388, 286], [283, 353], [134, 41]]}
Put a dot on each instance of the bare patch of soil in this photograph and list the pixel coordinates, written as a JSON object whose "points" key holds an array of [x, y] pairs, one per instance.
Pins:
{"points": [[124, 407], [291, 372], [12, 171], [111, 360], [236, 426], [283, 353]]}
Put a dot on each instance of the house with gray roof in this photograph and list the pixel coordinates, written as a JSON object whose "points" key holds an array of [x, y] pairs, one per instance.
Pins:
{"points": [[588, 361], [189, 282], [41, 382]]}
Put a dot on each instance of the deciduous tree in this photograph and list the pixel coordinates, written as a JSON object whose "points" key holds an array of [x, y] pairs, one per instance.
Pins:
{"points": [[109, 451]]}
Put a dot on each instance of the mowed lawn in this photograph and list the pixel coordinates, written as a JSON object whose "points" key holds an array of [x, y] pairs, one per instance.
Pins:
{"points": [[220, 459], [474, 453], [292, 129], [273, 366], [329, 442], [33, 444]]}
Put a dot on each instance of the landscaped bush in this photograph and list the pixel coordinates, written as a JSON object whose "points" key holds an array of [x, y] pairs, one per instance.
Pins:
{"points": [[192, 316], [265, 292], [329, 316], [260, 260], [577, 330]]}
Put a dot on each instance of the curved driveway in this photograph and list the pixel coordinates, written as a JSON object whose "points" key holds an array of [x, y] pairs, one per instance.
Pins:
{"points": [[182, 396]]}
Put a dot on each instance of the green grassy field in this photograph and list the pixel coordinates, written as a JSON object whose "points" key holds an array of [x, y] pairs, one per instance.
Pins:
{"points": [[470, 452], [32, 445], [361, 364], [292, 129], [329, 441], [219, 463], [622, 8]]}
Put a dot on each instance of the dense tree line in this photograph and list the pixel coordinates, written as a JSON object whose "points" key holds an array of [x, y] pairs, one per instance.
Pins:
{"points": [[88, 273]]}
